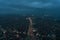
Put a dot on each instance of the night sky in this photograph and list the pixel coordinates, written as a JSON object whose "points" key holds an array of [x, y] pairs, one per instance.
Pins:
{"points": [[31, 3], [49, 7]]}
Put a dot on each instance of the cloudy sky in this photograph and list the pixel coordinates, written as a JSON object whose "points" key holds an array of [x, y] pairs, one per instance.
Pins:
{"points": [[42, 3], [21, 5], [31, 3]]}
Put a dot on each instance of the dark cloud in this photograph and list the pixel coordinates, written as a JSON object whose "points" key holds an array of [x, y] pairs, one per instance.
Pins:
{"points": [[42, 4], [30, 3], [33, 3]]}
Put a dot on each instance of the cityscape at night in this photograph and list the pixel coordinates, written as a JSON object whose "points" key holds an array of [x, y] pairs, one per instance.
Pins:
{"points": [[29, 19]]}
